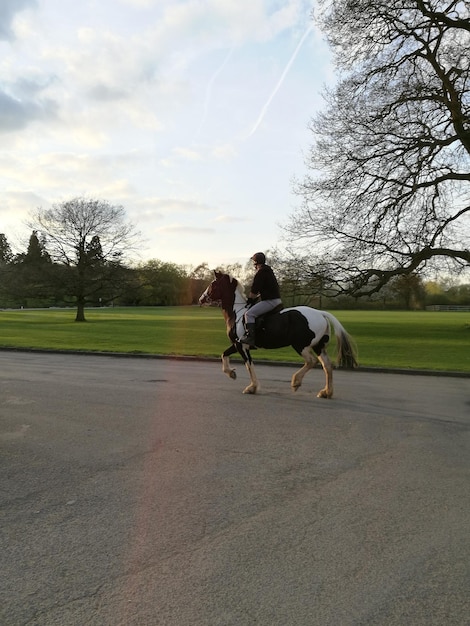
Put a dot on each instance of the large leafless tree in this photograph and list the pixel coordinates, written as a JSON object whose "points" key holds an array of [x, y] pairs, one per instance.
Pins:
{"points": [[387, 189], [90, 239]]}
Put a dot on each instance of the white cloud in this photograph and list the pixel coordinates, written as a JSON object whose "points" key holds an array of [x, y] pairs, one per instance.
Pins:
{"points": [[140, 4], [8, 12], [16, 209], [138, 78], [185, 153], [20, 202], [231, 219], [178, 205], [179, 229], [60, 175], [225, 152]]}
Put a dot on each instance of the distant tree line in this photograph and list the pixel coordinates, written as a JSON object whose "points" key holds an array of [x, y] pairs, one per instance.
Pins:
{"points": [[34, 279], [76, 257], [305, 284]]}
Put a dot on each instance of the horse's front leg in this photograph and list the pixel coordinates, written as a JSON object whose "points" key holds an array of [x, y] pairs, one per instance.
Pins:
{"points": [[231, 373], [254, 386], [327, 391]]}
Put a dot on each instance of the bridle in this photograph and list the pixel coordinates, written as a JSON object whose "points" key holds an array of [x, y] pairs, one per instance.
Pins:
{"points": [[237, 307]]}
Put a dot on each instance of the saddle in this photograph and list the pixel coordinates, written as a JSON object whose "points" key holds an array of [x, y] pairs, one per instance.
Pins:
{"points": [[260, 320]]}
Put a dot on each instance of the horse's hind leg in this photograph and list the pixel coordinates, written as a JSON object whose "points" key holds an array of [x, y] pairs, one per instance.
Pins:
{"points": [[327, 391], [310, 362]]}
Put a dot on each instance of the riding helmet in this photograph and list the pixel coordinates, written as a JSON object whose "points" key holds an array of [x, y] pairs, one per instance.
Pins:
{"points": [[259, 258]]}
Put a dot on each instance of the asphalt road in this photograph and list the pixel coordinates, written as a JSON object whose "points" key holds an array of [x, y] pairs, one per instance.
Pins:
{"points": [[153, 492]]}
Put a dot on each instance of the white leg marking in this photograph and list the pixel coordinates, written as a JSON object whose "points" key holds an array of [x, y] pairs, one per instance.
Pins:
{"points": [[254, 386], [310, 361], [231, 373], [327, 391]]}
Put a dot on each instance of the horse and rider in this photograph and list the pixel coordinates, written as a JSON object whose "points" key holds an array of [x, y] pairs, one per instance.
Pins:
{"points": [[306, 329]]}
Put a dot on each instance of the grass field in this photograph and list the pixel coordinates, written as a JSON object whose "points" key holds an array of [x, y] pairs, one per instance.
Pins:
{"points": [[415, 340]]}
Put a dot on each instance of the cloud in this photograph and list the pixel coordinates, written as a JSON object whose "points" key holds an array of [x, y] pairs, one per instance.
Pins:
{"points": [[16, 114], [140, 4], [185, 153], [59, 174], [30, 87], [20, 203], [179, 229], [181, 154], [224, 152], [8, 11], [177, 205], [212, 25], [137, 72], [17, 207], [98, 99], [231, 219], [106, 93]]}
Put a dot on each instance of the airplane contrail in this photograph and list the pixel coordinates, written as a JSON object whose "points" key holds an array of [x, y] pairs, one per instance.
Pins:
{"points": [[209, 89], [279, 83]]}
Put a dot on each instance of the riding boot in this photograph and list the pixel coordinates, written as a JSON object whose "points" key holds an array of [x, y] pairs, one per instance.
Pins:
{"points": [[249, 336]]}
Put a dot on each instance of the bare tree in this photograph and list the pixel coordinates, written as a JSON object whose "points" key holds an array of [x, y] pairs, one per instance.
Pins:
{"points": [[90, 239], [387, 191]]}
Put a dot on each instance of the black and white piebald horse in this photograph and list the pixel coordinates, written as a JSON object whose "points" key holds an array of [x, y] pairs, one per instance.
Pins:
{"points": [[307, 330]]}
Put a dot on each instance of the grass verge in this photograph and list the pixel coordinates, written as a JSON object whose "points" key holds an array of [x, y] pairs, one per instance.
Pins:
{"points": [[408, 340]]}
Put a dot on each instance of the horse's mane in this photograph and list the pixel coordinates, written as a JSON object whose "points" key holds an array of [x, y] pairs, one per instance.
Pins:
{"points": [[232, 280], [238, 285], [239, 289]]}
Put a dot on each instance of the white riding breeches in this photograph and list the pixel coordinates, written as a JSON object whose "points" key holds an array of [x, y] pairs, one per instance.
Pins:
{"points": [[260, 308]]}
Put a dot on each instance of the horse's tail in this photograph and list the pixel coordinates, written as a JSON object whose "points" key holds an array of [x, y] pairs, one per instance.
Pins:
{"points": [[345, 345]]}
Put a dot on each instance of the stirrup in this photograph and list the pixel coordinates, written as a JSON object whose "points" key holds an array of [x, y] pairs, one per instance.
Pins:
{"points": [[248, 338]]}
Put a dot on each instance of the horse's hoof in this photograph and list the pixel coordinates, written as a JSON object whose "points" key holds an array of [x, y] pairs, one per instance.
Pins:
{"points": [[233, 374], [324, 394], [295, 387], [250, 390]]}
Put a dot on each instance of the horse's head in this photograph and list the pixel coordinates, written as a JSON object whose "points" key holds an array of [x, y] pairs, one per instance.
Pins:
{"points": [[220, 291]]}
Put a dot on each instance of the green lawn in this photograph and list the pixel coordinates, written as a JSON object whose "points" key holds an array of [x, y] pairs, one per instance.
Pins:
{"points": [[422, 340]]}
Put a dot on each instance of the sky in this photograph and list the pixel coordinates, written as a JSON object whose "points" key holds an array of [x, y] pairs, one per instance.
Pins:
{"points": [[191, 114]]}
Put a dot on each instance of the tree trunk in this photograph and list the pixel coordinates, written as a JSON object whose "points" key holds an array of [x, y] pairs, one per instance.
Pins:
{"points": [[80, 317]]}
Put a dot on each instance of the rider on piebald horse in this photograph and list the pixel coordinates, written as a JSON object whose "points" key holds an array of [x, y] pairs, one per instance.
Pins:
{"points": [[266, 288]]}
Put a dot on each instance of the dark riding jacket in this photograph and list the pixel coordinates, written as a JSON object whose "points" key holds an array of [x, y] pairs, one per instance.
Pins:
{"points": [[265, 284]]}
